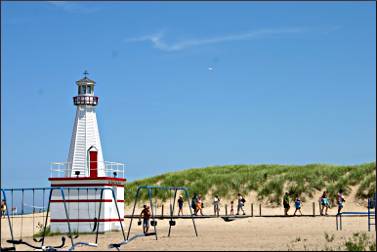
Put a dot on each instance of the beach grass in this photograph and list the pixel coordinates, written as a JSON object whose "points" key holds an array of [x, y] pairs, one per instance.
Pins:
{"points": [[268, 181]]}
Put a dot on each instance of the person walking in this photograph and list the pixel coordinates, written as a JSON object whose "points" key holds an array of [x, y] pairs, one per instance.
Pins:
{"points": [[286, 203], [297, 205], [241, 203], [216, 207], [340, 200], [194, 203], [199, 205], [180, 205], [324, 203]]}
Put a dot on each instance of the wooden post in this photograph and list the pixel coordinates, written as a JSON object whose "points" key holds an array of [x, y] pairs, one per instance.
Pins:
{"points": [[162, 210], [319, 208], [226, 209], [260, 209], [252, 210], [313, 208]]}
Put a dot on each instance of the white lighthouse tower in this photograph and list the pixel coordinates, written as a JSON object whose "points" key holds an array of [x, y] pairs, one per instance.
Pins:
{"points": [[87, 170], [85, 150]]}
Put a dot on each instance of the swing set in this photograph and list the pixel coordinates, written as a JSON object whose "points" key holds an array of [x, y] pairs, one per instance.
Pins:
{"points": [[39, 244], [172, 222]]}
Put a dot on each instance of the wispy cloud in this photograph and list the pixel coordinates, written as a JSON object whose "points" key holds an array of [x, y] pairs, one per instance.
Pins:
{"points": [[159, 42], [73, 7]]}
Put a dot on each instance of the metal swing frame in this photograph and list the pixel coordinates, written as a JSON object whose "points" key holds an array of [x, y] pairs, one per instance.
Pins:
{"points": [[70, 235], [150, 196], [20, 241]]}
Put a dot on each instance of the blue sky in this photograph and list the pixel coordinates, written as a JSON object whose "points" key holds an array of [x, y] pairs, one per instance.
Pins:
{"points": [[189, 84]]}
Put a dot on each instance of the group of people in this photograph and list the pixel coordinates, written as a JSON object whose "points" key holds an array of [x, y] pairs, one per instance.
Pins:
{"points": [[287, 205], [323, 201], [197, 205]]}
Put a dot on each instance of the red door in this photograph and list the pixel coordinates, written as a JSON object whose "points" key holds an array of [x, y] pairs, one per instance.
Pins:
{"points": [[93, 164]]}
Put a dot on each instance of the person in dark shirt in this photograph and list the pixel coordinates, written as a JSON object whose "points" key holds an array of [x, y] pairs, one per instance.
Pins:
{"points": [[146, 215], [286, 203], [241, 203], [180, 205], [194, 203]]}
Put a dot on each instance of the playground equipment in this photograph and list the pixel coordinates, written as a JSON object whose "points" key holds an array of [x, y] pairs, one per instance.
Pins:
{"points": [[371, 214], [172, 222], [56, 191]]}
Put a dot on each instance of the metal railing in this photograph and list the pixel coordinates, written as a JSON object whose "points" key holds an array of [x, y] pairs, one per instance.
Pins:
{"points": [[106, 168]]}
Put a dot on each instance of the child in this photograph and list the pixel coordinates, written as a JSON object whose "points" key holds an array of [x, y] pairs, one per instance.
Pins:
{"points": [[324, 203], [297, 205], [216, 208], [340, 200], [199, 205], [231, 208], [180, 205], [146, 215]]}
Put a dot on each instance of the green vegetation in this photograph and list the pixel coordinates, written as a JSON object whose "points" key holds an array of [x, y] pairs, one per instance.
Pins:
{"points": [[360, 242], [48, 231], [269, 181]]}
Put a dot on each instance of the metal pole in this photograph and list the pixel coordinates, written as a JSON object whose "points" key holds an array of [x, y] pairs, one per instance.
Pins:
{"points": [[172, 211], [99, 214], [9, 222], [192, 217], [66, 214], [162, 211], [252, 210], [226, 209], [153, 217], [133, 212], [313, 208], [116, 205], [45, 224], [340, 220]]}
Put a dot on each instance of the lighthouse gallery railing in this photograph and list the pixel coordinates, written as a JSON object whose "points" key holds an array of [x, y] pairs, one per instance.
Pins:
{"points": [[111, 169]]}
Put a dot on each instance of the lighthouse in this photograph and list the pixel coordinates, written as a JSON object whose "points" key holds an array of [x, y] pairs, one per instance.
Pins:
{"points": [[86, 169], [85, 152]]}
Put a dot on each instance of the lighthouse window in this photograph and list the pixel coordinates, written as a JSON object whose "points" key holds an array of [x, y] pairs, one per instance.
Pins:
{"points": [[83, 89], [89, 89]]}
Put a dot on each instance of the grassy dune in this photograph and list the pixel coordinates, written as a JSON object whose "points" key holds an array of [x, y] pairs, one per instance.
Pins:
{"points": [[268, 181]]}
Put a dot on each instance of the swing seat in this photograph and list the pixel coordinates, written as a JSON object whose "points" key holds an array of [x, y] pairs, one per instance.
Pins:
{"points": [[139, 223], [172, 222], [228, 219], [153, 223], [40, 240]]}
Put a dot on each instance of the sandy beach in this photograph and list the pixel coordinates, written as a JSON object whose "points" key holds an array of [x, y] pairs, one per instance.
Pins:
{"points": [[255, 233]]}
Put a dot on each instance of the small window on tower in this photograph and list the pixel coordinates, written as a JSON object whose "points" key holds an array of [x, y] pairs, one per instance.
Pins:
{"points": [[89, 89], [83, 89], [79, 90]]}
